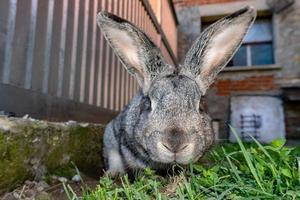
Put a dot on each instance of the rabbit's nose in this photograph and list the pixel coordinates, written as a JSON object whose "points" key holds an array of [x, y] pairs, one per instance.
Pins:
{"points": [[174, 140], [175, 148]]}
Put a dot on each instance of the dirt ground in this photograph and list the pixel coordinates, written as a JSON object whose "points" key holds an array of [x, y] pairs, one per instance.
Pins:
{"points": [[40, 190]]}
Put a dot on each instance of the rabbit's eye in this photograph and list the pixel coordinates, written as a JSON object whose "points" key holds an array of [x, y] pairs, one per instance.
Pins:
{"points": [[201, 106], [147, 104]]}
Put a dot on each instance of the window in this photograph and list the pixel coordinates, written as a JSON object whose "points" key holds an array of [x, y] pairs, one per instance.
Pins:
{"points": [[257, 47]]}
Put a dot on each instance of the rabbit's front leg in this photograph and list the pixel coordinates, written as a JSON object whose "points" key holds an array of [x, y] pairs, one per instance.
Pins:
{"points": [[115, 164], [113, 160]]}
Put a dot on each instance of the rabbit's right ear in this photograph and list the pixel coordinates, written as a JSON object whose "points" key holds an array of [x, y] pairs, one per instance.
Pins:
{"points": [[136, 51], [217, 44]]}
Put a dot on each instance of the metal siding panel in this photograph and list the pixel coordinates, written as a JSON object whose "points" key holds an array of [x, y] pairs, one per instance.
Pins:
{"points": [[93, 56], [133, 17], [62, 48], [114, 76], [108, 77], [69, 49], [107, 68], [140, 14], [84, 51], [123, 89], [65, 53], [104, 48], [18, 54], [119, 68], [55, 48], [112, 70], [9, 41], [97, 59], [145, 20], [123, 72], [96, 63], [134, 20], [149, 27], [49, 29], [118, 81], [112, 81], [74, 49], [39, 47], [146, 25], [138, 22], [79, 55], [3, 32], [129, 17], [89, 50], [100, 79], [30, 44]]}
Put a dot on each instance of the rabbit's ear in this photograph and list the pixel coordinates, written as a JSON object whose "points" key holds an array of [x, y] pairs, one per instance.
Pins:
{"points": [[214, 48], [135, 50]]}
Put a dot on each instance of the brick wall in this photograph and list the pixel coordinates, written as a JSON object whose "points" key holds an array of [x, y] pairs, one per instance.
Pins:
{"points": [[252, 83]]}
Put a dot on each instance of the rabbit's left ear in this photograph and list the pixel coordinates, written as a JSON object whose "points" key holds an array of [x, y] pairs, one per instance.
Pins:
{"points": [[136, 51], [216, 46]]}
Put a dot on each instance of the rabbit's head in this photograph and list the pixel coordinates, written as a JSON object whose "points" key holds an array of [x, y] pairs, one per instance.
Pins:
{"points": [[171, 125]]}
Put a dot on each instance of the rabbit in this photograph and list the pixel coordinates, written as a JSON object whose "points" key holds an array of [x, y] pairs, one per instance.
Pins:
{"points": [[164, 122]]}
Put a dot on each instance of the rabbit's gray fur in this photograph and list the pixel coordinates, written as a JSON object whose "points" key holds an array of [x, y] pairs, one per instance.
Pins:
{"points": [[164, 123]]}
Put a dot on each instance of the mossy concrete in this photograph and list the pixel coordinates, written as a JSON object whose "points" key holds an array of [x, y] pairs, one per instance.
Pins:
{"points": [[32, 149]]}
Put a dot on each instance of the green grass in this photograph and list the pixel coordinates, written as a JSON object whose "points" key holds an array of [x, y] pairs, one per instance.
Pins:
{"points": [[231, 171]]}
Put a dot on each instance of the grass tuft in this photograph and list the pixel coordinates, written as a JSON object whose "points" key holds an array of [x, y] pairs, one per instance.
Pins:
{"points": [[233, 171]]}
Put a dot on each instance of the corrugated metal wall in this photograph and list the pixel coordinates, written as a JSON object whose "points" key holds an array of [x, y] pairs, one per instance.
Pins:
{"points": [[55, 47]]}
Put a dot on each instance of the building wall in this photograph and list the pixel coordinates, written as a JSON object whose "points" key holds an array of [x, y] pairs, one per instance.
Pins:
{"points": [[53, 54], [256, 80]]}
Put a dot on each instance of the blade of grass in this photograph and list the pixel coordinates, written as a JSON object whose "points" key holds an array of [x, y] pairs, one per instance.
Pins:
{"points": [[66, 191], [272, 166], [126, 187], [233, 167], [263, 149], [258, 191], [188, 188], [247, 158], [298, 162], [222, 195], [72, 191]]}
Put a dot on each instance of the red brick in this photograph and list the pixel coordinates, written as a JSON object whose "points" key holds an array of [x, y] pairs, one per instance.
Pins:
{"points": [[253, 83]]}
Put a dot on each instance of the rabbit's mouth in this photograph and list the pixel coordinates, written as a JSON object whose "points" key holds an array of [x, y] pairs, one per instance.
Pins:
{"points": [[176, 148], [182, 155]]}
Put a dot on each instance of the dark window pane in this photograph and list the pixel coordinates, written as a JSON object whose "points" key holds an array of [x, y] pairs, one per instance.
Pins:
{"points": [[261, 31], [240, 58], [262, 54], [230, 63]]}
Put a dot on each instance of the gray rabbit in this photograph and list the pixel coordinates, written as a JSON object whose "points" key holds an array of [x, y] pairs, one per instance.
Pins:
{"points": [[164, 122]]}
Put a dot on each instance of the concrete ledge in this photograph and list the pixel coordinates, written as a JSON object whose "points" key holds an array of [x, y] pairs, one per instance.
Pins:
{"points": [[251, 68], [31, 149], [230, 7]]}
